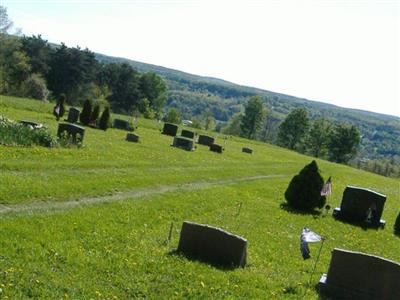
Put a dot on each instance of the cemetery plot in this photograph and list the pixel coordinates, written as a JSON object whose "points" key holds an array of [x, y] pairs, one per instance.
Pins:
{"points": [[122, 124], [72, 131], [247, 150], [205, 140], [187, 134], [73, 115], [216, 148], [131, 137], [355, 275], [170, 129], [212, 245], [361, 205], [183, 143]]}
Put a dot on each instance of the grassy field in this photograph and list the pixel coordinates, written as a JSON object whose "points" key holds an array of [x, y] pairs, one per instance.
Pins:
{"points": [[116, 248]]}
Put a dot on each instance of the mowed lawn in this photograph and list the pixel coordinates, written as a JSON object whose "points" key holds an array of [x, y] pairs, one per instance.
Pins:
{"points": [[118, 250]]}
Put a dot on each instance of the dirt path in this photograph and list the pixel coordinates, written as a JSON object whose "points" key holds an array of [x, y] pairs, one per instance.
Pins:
{"points": [[46, 206]]}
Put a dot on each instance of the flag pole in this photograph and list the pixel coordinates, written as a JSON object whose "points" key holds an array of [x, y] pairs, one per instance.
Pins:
{"points": [[316, 261]]}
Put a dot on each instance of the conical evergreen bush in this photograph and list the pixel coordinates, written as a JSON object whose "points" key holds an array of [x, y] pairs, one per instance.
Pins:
{"points": [[86, 113], [304, 190], [104, 122]]}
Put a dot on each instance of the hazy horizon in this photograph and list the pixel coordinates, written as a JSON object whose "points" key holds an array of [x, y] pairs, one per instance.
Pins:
{"points": [[339, 52]]}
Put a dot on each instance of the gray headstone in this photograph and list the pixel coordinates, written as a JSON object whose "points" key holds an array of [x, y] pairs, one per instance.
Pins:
{"points": [[131, 137], [71, 130], [247, 150], [73, 115], [358, 204], [213, 245], [183, 143], [216, 148], [170, 129], [122, 124], [187, 134], [205, 140], [355, 275], [32, 124]]}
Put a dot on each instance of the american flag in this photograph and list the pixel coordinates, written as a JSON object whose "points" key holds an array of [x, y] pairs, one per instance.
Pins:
{"points": [[327, 189]]}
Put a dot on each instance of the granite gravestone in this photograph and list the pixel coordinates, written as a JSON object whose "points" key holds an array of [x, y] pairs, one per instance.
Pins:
{"points": [[183, 143], [131, 137], [72, 131], [213, 245], [361, 205], [205, 140], [122, 124], [170, 129], [216, 148], [73, 115], [355, 275], [187, 134], [31, 124], [247, 150]]}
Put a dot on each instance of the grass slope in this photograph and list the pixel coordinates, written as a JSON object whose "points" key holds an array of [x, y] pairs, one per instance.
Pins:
{"points": [[117, 250]]}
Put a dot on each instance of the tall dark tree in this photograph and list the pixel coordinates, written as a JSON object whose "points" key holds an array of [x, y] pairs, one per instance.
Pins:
{"points": [[84, 117], [39, 53], [70, 70], [123, 81], [343, 144], [95, 113], [252, 118], [293, 129], [104, 122], [5, 22], [304, 190], [317, 140]]}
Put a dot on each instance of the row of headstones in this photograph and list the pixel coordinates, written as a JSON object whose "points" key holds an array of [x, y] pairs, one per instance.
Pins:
{"points": [[349, 272], [187, 140], [72, 130]]}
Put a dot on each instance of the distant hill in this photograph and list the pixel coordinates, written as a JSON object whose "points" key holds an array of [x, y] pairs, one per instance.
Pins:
{"points": [[192, 94]]}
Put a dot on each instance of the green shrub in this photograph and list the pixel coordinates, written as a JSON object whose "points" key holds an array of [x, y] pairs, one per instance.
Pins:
{"points": [[397, 224], [95, 114], [86, 113], [104, 122], [15, 134], [304, 190]]}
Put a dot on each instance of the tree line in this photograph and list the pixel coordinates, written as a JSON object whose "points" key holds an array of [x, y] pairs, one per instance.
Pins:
{"points": [[32, 67], [320, 137]]}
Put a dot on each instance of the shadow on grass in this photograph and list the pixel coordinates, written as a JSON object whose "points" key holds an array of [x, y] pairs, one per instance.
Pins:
{"points": [[364, 225], [288, 208], [216, 265]]}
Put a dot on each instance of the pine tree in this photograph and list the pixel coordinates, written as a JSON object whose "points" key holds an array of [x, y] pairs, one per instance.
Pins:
{"points": [[304, 190], [84, 117], [95, 114], [105, 119]]}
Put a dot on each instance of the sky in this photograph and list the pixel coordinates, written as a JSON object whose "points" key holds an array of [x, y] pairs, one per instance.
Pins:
{"points": [[343, 52]]}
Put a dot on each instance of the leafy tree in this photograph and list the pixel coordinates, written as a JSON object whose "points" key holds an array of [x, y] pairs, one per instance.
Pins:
{"points": [[196, 123], [293, 129], [317, 140], [208, 120], [233, 126], [123, 82], [145, 109], [252, 118], [343, 143], [39, 53], [5, 23], [104, 122], [304, 190], [35, 87], [86, 113], [173, 116], [152, 87]]}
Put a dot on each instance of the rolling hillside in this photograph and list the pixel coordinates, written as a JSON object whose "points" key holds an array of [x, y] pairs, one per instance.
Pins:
{"points": [[93, 222], [193, 94]]}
